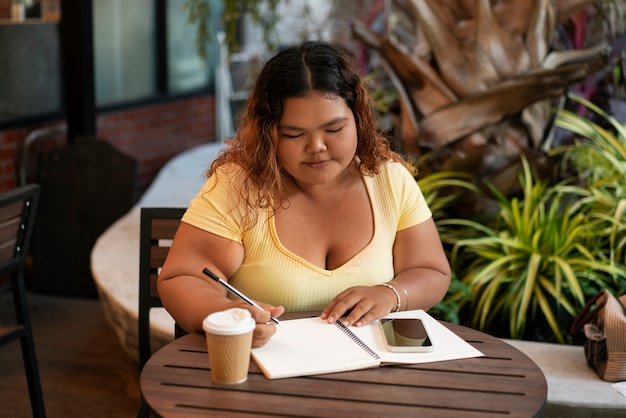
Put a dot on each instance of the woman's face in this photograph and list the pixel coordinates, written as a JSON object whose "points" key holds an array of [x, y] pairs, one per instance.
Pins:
{"points": [[317, 138]]}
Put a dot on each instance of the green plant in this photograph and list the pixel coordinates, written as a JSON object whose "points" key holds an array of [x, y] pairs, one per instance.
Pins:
{"points": [[600, 161], [534, 259], [442, 189]]}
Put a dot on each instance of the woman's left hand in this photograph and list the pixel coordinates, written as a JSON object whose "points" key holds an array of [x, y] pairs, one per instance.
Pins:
{"points": [[361, 305]]}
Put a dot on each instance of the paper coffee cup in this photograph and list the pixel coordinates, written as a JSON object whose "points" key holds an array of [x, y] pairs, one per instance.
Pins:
{"points": [[229, 340]]}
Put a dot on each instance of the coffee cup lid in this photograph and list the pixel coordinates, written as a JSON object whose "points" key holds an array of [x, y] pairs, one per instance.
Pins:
{"points": [[232, 321]]}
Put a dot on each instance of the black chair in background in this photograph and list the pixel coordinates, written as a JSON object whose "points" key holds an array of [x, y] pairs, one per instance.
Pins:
{"points": [[18, 209], [157, 229]]}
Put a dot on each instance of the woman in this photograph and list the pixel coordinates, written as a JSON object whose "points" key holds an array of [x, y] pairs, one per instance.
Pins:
{"points": [[307, 209]]}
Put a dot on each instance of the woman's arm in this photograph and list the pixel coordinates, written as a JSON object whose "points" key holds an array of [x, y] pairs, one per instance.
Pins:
{"points": [[189, 296], [421, 269], [420, 266]]}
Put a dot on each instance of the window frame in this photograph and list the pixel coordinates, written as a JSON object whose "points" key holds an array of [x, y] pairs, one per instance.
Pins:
{"points": [[78, 106]]}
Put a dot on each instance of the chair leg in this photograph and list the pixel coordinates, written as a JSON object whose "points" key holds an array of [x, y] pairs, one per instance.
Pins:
{"points": [[28, 348], [32, 376]]}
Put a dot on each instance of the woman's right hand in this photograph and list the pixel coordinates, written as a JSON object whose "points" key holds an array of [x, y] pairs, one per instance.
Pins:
{"points": [[265, 328]]}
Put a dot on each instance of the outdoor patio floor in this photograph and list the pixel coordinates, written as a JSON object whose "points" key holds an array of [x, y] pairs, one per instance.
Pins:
{"points": [[84, 370]]}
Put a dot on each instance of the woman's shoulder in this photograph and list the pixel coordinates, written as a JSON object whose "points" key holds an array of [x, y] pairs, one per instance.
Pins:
{"points": [[221, 180], [395, 169], [226, 174], [230, 169], [395, 178]]}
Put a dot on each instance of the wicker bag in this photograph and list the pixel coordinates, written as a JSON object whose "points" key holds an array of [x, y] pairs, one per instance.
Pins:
{"points": [[604, 321]]}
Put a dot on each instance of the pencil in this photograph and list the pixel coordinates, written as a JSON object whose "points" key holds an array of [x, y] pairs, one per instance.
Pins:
{"points": [[236, 292]]}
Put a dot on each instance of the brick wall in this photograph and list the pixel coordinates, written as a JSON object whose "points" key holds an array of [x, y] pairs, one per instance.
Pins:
{"points": [[151, 134], [154, 134]]}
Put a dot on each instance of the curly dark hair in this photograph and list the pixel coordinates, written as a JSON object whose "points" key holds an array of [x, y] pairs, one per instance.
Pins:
{"points": [[295, 72]]}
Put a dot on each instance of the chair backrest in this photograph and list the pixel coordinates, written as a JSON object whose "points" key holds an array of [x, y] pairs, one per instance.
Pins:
{"points": [[17, 218], [157, 228], [18, 209]]}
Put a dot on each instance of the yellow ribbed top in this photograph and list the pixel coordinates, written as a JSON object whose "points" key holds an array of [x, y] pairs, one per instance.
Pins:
{"points": [[271, 273]]}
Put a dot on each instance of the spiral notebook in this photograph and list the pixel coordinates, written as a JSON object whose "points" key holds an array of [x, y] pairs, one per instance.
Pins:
{"points": [[311, 346]]}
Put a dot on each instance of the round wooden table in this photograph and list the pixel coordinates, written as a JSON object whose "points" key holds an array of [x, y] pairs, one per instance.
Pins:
{"points": [[176, 382]]}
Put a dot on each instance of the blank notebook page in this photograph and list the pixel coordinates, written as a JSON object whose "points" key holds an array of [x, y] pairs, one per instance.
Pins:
{"points": [[311, 346]]}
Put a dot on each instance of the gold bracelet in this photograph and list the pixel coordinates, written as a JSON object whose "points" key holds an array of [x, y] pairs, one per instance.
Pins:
{"points": [[394, 291], [406, 308]]}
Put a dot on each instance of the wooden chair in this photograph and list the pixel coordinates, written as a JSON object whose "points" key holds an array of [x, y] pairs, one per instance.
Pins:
{"points": [[18, 209], [157, 228]]}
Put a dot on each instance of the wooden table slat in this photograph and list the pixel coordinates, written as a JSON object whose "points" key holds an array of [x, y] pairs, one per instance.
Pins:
{"points": [[218, 401], [416, 378]]}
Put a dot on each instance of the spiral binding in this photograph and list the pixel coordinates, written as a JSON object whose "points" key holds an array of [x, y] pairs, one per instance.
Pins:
{"points": [[356, 339]]}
